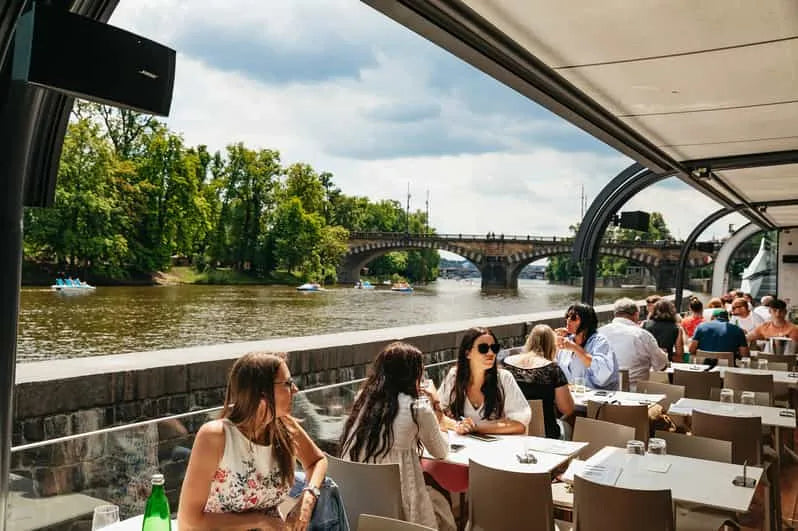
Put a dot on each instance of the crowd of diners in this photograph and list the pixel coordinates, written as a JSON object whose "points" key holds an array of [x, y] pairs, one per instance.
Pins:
{"points": [[242, 465]]}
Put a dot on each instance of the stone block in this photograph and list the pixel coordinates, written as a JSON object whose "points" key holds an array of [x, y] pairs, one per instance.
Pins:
{"points": [[160, 381], [179, 403], [69, 452], [36, 399], [209, 397], [208, 375], [57, 426], [54, 480], [127, 412], [88, 420]]}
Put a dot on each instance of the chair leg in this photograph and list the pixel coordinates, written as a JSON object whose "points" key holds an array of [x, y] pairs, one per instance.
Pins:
{"points": [[461, 521]]}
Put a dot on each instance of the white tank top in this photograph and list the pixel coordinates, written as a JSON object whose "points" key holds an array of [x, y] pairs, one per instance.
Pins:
{"points": [[247, 477]]}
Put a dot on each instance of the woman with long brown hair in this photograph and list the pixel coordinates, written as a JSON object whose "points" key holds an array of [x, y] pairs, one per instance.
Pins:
{"points": [[389, 424], [242, 465]]}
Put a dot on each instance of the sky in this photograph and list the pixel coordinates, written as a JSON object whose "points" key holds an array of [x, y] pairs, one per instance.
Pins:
{"points": [[340, 86]]}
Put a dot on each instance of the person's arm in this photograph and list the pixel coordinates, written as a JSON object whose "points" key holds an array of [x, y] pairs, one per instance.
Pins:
{"points": [[693, 347], [584, 356], [516, 409], [430, 434], [564, 400], [315, 466], [755, 334], [793, 334], [658, 360], [679, 347], [604, 367], [205, 457]]}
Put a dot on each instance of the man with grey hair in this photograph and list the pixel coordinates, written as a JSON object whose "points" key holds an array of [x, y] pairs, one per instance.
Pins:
{"points": [[635, 348], [763, 310]]}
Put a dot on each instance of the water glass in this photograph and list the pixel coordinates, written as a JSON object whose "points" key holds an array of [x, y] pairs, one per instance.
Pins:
{"points": [[579, 385], [636, 447], [744, 363], [428, 384], [657, 446], [727, 395], [748, 397], [104, 515], [335, 407], [422, 402], [762, 364]]}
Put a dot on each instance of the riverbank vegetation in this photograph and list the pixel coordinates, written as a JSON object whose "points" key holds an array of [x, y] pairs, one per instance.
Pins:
{"points": [[132, 199]]}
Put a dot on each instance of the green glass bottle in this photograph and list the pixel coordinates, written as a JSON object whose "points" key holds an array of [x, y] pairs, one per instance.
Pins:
{"points": [[156, 514]]}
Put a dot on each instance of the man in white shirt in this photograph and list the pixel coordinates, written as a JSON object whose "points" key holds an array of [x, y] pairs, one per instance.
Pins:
{"points": [[743, 317], [635, 348], [763, 310]]}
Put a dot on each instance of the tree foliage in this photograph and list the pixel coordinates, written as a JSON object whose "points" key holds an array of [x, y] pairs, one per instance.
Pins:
{"points": [[131, 196]]}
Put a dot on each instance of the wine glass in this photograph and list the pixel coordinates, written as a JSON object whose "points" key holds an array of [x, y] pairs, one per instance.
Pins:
{"points": [[727, 395], [104, 516]]}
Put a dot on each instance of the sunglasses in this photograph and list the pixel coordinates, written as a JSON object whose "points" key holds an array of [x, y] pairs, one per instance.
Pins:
{"points": [[483, 348], [571, 317], [288, 383]]}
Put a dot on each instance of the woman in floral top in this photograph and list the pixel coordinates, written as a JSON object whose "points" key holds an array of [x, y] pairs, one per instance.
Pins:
{"points": [[242, 465]]}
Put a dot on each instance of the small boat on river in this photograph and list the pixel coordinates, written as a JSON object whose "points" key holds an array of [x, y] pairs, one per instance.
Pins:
{"points": [[365, 284], [309, 286], [71, 286], [403, 287]]}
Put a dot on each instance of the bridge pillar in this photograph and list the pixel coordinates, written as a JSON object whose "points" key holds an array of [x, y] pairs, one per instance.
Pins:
{"points": [[496, 274], [348, 271], [665, 274]]}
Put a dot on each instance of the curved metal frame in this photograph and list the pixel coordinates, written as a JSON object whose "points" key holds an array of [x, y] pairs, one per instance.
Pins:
{"points": [[688, 244], [726, 251], [607, 203]]}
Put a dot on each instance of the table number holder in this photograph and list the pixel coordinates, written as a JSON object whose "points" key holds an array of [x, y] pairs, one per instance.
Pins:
{"points": [[744, 481]]}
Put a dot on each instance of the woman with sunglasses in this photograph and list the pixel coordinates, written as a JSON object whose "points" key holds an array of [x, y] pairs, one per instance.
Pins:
{"points": [[242, 465], [389, 424], [479, 397], [584, 353]]}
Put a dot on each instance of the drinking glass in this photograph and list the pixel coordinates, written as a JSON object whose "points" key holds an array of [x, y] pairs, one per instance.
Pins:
{"points": [[727, 395], [635, 447], [427, 383], [745, 363], [335, 407], [748, 397], [104, 515], [762, 364], [657, 446], [421, 402], [579, 385]]}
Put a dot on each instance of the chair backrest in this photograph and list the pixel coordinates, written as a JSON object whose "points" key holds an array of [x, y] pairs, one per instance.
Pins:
{"points": [[634, 416], [623, 379], [600, 507], [760, 398], [658, 376], [599, 434], [697, 447], [779, 366], [728, 357], [762, 383], [536, 426], [367, 488], [370, 522], [745, 434], [525, 499], [697, 384], [672, 392], [790, 360]]}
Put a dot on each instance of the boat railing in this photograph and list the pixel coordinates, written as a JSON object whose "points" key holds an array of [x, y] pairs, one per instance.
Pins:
{"points": [[56, 483]]}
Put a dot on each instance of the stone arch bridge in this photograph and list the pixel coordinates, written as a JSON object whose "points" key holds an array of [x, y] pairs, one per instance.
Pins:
{"points": [[501, 258]]}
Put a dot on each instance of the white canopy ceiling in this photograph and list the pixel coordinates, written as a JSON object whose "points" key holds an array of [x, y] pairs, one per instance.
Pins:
{"points": [[669, 83]]}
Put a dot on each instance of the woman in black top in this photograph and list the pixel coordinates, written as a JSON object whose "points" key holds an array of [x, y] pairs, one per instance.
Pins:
{"points": [[662, 325], [540, 378]]}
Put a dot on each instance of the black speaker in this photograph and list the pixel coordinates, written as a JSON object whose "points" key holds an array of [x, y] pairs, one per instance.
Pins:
{"points": [[789, 258], [636, 220], [81, 57]]}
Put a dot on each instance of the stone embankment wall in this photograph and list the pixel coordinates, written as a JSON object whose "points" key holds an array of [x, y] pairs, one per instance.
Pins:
{"points": [[65, 397]]}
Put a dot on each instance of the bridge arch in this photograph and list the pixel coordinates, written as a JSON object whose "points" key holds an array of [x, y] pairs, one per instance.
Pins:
{"points": [[359, 255]]}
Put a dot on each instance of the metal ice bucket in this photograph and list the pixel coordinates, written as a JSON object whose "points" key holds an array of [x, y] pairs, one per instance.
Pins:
{"points": [[781, 345]]}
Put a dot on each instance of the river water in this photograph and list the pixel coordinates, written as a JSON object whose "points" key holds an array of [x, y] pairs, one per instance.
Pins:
{"points": [[114, 320]]}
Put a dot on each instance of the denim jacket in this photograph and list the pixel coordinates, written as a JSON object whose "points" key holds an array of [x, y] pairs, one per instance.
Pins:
{"points": [[329, 513]]}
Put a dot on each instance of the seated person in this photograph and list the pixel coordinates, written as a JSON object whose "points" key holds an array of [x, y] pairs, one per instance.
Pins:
{"points": [[743, 316], [719, 335], [585, 353], [540, 378], [695, 318], [635, 348], [778, 326]]}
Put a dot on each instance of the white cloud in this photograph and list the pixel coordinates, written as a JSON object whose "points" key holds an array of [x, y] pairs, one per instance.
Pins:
{"points": [[491, 161]]}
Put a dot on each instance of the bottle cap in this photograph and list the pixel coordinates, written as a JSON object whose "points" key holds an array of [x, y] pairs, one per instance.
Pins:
{"points": [[157, 479]]}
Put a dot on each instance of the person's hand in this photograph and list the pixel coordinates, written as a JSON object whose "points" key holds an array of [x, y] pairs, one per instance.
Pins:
{"points": [[465, 426], [430, 393], [298, 518], [561, 332], [564, 343]]}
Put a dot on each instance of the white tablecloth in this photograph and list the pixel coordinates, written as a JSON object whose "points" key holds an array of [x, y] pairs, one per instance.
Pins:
{"points": [[132, 524]]}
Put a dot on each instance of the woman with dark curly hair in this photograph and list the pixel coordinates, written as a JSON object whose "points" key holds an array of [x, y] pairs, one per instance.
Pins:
{"points": [[663, 326], [583, 352], [479, 397], [388, 424]]}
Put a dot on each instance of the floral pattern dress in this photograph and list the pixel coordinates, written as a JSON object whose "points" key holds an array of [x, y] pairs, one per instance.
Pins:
{"points": [[247, 478]]}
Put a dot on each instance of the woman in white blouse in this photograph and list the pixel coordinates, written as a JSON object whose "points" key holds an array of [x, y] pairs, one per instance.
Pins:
{"points": [[479, 397], [388, 424]]}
